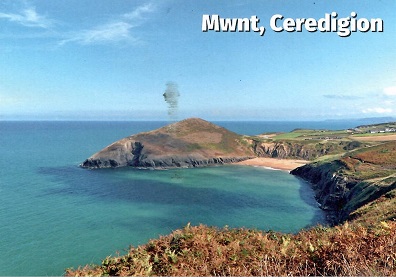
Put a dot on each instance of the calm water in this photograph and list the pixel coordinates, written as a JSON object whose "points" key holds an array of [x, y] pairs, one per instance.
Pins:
{"points": [[55, 215]]}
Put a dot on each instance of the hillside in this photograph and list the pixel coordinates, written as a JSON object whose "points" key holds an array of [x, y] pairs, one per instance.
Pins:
{"points": [[314, 144], [189, 143], [359, 177], [345, 250]]}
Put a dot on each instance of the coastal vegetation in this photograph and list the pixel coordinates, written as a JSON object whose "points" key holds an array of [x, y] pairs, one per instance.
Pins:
{"points": [[354, 181], [349, 249]]}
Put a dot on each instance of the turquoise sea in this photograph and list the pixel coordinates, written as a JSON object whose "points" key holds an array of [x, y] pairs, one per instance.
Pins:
{"points": [[55, 215]]}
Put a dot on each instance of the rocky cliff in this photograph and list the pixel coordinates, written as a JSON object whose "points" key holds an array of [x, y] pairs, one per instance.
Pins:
{"points": [[331, 187], [189, 143], [342, 186], [300, 149]]}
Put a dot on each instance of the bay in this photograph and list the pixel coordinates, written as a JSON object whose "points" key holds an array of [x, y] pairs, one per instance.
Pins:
{"points": [[55, 215]]}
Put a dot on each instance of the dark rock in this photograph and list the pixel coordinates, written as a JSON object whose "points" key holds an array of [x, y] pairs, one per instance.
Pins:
{"points": [[295, 149], [337, 193]]}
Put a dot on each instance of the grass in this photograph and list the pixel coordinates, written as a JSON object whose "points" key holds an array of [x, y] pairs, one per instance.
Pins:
{"points": [[193, 146], [330, 157], [302, 134], [384, 155], [195, 136], [374, 162], [291, 135], [349, 249], [382, 209]]}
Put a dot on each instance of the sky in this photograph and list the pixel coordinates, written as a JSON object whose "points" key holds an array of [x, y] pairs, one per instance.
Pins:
{"points": [[115, 59]]}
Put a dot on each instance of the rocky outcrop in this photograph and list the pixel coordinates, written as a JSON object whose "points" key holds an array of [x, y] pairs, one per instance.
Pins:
{"points": [[337, 190], [163, 162], [188, 143], [299, 150], [330, 186]]}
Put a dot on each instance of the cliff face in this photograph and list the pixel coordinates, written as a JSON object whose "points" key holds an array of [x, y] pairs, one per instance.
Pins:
{"points": [[342, 186], [331, 187], [189, 143], [299, 150]]}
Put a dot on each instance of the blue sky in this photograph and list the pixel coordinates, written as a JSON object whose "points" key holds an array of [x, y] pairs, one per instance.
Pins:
{"points": [[111, 60]]}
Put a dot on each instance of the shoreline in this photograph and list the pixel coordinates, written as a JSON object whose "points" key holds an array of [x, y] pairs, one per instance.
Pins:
{"points": [[274, 163]]}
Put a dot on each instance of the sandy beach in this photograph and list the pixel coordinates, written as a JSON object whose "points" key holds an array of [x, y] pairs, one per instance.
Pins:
{"points": [[282, 164]]}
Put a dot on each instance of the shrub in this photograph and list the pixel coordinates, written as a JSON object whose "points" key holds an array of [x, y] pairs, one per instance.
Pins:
{"points": [[348, 249]]}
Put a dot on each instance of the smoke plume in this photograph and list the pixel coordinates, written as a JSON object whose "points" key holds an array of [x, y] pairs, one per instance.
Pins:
{"points": [[171, 96]]}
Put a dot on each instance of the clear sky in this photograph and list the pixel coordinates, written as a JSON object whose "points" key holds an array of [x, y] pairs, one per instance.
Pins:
{"points": [[113, 59]]}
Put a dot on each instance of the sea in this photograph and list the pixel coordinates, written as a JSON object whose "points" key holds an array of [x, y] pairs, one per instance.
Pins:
{"points": [[55, 215]]}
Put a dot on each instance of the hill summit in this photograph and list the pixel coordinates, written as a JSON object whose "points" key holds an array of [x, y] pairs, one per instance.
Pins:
{"points": [[191, 142]]}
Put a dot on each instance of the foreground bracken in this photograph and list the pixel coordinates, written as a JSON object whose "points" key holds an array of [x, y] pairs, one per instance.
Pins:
{"points": [[348, 249]]}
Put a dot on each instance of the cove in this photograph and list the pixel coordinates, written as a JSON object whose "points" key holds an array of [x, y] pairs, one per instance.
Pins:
{"points": [[236, 196], [114, 208], [55, 215]]}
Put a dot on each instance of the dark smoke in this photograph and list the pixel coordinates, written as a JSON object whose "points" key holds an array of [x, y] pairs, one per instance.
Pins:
{"points": [[171, 96]]}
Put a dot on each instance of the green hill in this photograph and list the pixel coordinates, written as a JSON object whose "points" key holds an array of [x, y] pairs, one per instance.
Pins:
{"points": [[189, 143]]}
